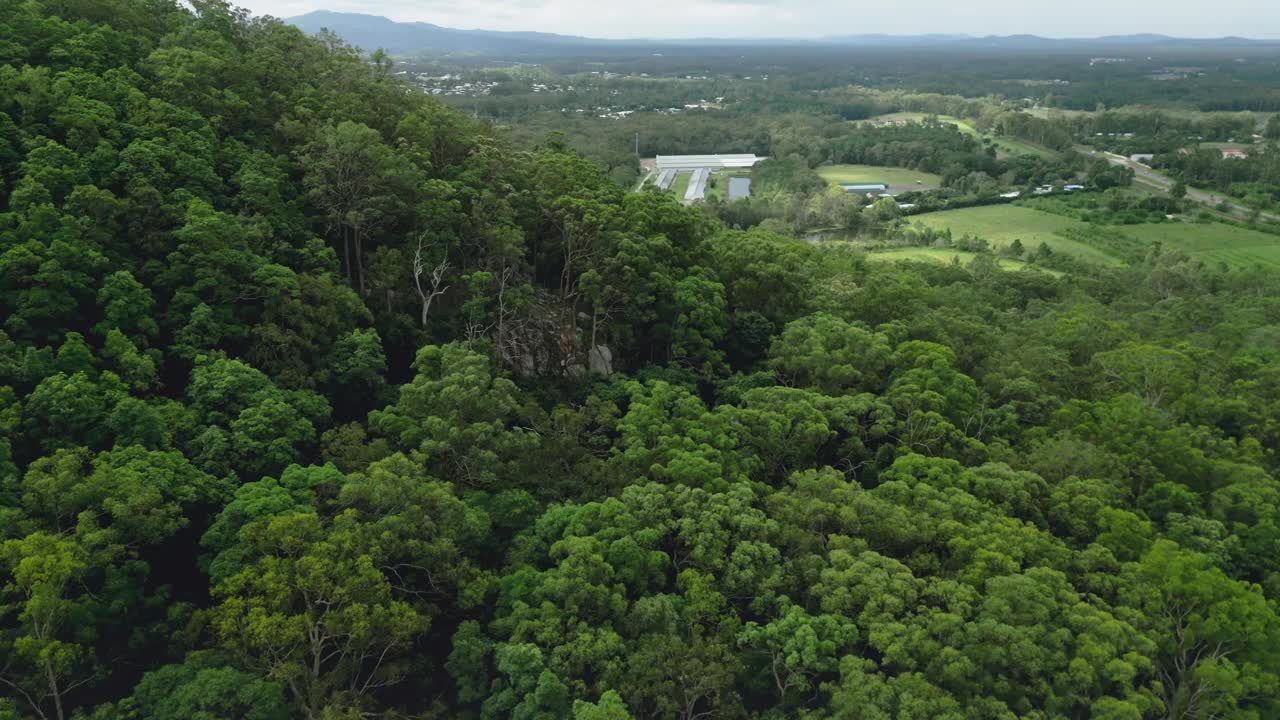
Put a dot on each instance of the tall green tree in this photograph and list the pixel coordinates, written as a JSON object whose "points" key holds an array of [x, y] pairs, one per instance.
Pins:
{"points": [[360, 184]]}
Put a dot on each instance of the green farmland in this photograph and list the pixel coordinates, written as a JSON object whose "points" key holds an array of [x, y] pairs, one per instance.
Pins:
{"points": [[892, 176], [1214, 242], [1000, 225]]}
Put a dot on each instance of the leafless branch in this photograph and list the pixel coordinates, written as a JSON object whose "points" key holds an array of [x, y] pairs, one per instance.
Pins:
{"points": [[436, 280]]}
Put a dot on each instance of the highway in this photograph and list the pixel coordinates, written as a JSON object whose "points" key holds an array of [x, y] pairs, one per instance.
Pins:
{"points": [[1149, 176]]}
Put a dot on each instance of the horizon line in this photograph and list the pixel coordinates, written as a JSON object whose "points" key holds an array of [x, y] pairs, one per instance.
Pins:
{"points": [[804, 38]]}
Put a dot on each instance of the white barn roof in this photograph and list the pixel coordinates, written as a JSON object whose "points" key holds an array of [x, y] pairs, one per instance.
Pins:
{"points": [[697, 189], [690, 162]]}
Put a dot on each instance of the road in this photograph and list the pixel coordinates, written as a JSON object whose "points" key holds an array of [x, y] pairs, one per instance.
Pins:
{"points": [[1149, 176]]}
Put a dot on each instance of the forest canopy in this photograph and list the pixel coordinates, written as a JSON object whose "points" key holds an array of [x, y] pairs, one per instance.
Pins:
{"points": [[319, 399]]}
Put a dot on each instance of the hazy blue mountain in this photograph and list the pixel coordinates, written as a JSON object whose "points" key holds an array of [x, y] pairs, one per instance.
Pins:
{"points": [[372, 31]]}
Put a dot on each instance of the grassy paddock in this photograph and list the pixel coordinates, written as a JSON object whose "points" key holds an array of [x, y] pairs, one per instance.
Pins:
{"points": [[893, 176], [1000, 225], [1214, 242], [1014, 146]]}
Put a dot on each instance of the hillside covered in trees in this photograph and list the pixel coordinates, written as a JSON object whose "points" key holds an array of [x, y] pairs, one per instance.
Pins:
{"points": [[321, 400]]}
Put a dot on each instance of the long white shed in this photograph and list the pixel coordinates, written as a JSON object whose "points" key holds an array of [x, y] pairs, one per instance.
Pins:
{"points": [[715, 162]]}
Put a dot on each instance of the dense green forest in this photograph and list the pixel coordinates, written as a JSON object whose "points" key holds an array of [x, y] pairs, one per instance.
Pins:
{"points": [[1216, 76], [322, 400]]}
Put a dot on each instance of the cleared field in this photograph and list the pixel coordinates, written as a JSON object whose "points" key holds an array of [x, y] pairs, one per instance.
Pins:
{"points": [[1214, 242], [1045, 113], [893, 176], [1000, 225], [1018, 147], [965, 126], [942, 255], [1004, 144]]}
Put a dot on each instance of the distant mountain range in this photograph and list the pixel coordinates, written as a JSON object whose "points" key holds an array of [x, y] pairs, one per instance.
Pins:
{"points": [[370, 32], [373, 31]]}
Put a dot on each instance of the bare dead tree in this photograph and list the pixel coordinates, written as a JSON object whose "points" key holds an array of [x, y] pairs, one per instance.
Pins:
{"points": [[504, 314], [436, 281]]}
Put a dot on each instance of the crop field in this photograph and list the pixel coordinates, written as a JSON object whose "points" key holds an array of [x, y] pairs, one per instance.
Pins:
{"points": [[1214, 242], [893, 176], [1000, 225]]}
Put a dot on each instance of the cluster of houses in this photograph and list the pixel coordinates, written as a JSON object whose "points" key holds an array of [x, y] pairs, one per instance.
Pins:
{"points": [[894, 122], [875, 191], [1228, 153], [1041, 190], [611, 113], [450, 84], [1047, 189]]}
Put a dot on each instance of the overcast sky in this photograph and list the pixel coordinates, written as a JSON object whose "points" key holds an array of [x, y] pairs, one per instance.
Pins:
{"points": [[814, 18]]}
